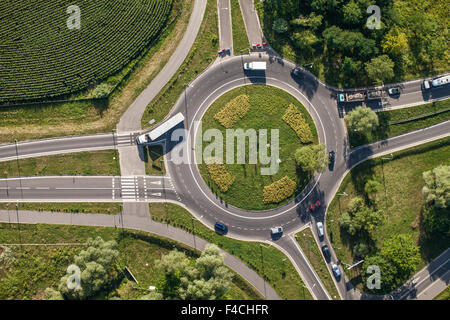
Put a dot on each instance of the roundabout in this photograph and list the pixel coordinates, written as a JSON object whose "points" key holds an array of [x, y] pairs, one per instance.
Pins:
{"points": [[221, 78], [266, 107]]}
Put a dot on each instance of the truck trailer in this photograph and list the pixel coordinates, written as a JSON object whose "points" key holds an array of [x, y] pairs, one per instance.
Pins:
{"points": [[162, 129], [351, 97], [255, 65]]}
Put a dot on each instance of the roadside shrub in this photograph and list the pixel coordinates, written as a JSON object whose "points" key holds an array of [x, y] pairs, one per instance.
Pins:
{"points": [[279, 190], [233, 111], [297, 122], [220, 175]]}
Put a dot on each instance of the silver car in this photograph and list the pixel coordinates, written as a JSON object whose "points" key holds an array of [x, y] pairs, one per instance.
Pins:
{"points": [[320, 229]]}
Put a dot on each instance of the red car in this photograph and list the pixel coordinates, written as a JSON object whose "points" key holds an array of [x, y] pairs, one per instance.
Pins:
{"points": [[314, 206]]}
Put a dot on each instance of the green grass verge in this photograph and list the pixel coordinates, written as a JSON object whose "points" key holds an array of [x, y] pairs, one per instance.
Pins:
{"points": [[274, 267], [240, 39], [309, 246], [155, 160], [38, 267], [444, 295], [60, 119], [387, 130], [80, 163], [268, 105], [70, 207], [404, 182], [203, 52]]}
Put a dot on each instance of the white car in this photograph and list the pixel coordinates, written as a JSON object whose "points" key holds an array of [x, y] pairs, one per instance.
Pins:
{"points": [[320, 229], [276, 230]]}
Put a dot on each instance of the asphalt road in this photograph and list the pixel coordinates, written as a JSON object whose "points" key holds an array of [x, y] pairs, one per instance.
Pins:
{"points": [[251, 22], [28, 149], [225, 26], [189, 188], [87, 189]]}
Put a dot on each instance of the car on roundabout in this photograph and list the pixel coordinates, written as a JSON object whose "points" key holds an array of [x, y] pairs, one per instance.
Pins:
{"points": [[314, 206], [297, 73], [220, 228]]}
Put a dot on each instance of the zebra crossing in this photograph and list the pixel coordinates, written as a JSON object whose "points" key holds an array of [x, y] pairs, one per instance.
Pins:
{"points": [[142, 188], [129, 188], [124, 139]]}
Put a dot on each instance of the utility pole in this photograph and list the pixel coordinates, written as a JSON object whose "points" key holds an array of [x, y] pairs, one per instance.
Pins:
{"points": [[115, 148], [193, 231], [18, 224], [242, 61], [262, 264], [7, 189], [303, 289], [18, 167], [186, 85], [384, 181]]}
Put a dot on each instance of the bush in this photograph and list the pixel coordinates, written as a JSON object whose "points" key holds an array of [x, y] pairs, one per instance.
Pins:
{"points": [[297, 122], [220, 175], [279, 190], [233, 111], [101, 91]]}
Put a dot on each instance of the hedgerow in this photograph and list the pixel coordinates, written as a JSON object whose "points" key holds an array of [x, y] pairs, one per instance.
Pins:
{"points": [[220, 175], [297, 122], [279, 190], [41, 58], [233, 111]]}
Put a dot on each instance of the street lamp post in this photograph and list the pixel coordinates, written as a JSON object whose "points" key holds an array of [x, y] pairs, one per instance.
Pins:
{"points": [[341, 194], [193, 232], [384, 181], [262, 264], [186, 85], [18, 167], [18, 224], [303, 290], [242, 61]]}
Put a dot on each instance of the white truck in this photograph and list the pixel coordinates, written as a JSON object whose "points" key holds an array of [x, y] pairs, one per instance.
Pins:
{"points": [[427, 84], [165, 127], [255, 65]]}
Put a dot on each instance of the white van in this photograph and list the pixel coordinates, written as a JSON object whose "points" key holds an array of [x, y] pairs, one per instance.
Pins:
{"points": [[255, 65]]}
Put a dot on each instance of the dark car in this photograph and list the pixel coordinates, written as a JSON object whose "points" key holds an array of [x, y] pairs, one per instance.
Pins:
{"points": [[331, 156], [220, 228], [326, 252], [297, 73], [314, 206]]}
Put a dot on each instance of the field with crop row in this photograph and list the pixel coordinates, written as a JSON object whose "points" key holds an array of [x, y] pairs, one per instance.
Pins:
{"points": [[41, 57]]}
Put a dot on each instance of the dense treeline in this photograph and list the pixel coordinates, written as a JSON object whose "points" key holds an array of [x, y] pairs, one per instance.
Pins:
{"points": [[332, 38]]}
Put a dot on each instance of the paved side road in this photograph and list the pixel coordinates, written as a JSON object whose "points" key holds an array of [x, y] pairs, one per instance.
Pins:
{"points": [[225, 26], [131, 120], [141, 224], [251, 22]]}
